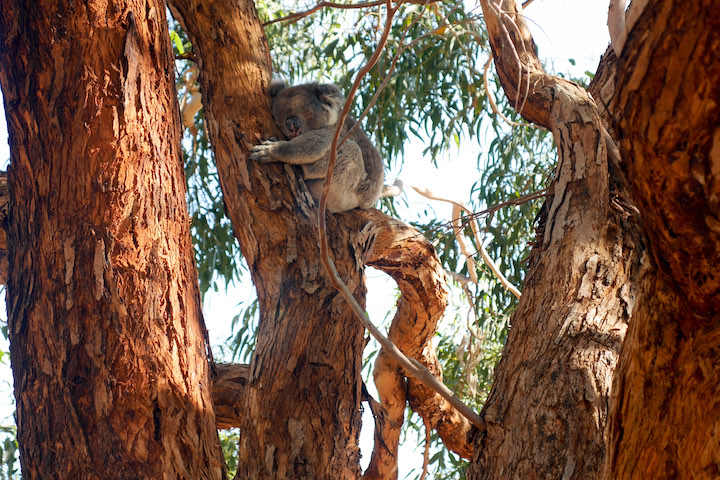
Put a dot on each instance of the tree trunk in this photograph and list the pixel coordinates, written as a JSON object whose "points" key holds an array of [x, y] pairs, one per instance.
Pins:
{"points": [[665, 411], [107, 340], [302, 399], [547, 410]]}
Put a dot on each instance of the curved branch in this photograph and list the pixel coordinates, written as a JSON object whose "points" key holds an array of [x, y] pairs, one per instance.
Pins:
{"points": [[458, 208], [409, 258], [427, 375], [578, 293], [520, 71], [493, 104]]}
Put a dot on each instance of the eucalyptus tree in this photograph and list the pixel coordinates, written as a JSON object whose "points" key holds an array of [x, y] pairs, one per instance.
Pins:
{"points": [[107, 339]]}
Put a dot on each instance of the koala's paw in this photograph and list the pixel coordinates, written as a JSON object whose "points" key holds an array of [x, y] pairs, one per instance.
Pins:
{"points": [[265, 152]]}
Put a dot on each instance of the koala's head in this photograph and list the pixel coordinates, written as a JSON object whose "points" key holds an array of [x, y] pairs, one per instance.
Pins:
{"points": [[305, 107]]}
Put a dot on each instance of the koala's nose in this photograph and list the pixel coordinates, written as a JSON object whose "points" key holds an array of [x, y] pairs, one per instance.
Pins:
{"points": [[293, 126]]}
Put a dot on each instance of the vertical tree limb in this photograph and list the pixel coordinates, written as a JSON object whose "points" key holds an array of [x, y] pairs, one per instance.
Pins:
{"points": [[107, 341], [547, 409], [409, 258], [301, 414]]}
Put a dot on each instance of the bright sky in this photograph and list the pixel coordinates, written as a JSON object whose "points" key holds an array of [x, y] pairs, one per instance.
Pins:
{"points": [[562, 29]]}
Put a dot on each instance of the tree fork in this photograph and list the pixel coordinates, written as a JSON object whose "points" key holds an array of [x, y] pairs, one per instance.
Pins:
{"points": [[301, 413]]}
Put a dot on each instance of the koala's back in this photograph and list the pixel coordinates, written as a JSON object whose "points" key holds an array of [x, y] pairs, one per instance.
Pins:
{"points": [[373, 163]]}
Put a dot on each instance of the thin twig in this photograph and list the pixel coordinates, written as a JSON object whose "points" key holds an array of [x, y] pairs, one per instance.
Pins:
{"points": [[426, 453], [515, 201], [513, 50], [401, 49], [457, 209], [410, 365], [186, 56], [492, 100], [293, 17]]}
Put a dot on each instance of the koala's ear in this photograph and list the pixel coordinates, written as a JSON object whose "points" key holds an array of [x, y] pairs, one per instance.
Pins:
{"points": [[276, 86], [330, 95]]}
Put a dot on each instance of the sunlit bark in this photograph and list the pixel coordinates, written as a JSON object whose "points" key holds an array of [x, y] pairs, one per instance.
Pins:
{"points": [[547, 410], [665, 411], [107, 341]]}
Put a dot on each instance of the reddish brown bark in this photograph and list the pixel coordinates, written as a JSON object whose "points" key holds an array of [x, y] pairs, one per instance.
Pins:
{"points": [[228, 389], [106, 337], [4, 200], [301, 415], [409, 258], [666, 111], [305, 370]]}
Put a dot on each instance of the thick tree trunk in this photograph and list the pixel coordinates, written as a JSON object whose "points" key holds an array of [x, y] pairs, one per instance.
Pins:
{"points": [[106, 334], [301, 415], [547, 410], [665, 411]]}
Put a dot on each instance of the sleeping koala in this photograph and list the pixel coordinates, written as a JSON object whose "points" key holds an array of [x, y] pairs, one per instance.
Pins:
{"points": [[307, 115]]}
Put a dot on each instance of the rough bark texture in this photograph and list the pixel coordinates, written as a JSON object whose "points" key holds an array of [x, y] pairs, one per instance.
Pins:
{"points": [[228, 389], [107, 345], [547, 409], [4, 201], [404, 254], [301, 415], [665, 411]]}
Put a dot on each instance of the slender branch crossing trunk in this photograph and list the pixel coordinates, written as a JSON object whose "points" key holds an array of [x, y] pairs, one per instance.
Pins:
{"points": [[107, 340]]}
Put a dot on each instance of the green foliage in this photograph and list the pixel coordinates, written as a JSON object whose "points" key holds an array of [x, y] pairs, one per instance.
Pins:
{"points": [[9, 453], [216, 251], [426, 83], [239, 346], [229, 440]]}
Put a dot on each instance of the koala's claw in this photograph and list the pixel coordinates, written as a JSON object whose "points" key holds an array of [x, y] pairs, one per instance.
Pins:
{"points": [[263, 153]]}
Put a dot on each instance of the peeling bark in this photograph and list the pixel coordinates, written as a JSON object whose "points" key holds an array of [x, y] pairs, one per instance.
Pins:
{"points": [[666, 111], [228, 390], [405, 255], [547, 409], [422, 305], [107, 341], [301, 410]]}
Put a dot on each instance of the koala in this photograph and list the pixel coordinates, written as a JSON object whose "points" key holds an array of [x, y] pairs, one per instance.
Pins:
{"points": [[307, 115]]}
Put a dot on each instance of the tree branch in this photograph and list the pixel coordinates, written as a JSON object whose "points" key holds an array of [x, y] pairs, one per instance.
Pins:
{"points": [[458, 208], [554, 378], [228, 389], [293, 17], [410, 365], [410, 259]]}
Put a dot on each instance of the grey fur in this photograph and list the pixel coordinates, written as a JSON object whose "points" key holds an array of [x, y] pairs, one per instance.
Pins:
{"points": [[307, 115]]}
